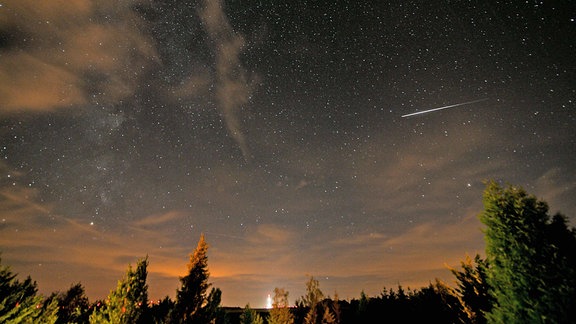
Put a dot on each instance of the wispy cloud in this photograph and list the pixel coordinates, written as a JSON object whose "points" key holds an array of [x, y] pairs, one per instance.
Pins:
{"points": [[69, 53], [555, 186], [155, 220], [233, 86]]}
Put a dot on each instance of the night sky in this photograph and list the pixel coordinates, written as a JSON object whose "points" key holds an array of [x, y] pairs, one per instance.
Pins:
{"points": [[275, 128]]}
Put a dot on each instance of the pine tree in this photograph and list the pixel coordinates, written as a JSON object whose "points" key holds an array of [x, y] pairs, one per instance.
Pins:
{"points": [[250, 316], [531, 273], [129, 302], [280, 312], [193, 304]]}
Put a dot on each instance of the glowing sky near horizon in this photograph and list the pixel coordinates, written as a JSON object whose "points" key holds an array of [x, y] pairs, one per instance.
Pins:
{"points": [[275, 128]]}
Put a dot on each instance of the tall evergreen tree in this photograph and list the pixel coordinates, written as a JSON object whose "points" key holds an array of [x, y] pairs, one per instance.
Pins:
{"points": [[280, 312], [193, 303], [473, 290], [73, 305], [19, 302], [129, 302], [531, 274]]}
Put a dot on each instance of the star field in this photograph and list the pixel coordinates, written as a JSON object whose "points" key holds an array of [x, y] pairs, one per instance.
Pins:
{"points": [[275, 128]]}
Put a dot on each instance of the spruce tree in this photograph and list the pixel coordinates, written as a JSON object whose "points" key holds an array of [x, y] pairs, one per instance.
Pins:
{"points": [[129, 301], [531, 274], [193, 303]]}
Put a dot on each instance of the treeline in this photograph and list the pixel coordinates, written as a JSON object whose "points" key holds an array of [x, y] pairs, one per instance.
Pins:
{"points": [[528, 276]]}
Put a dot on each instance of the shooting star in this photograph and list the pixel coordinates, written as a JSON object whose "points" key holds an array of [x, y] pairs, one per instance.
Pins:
{"points": [[445, 107]]}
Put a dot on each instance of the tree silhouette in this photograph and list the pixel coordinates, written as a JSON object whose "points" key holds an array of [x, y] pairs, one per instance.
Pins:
{"points": [[437, 303], [160, 310], [473, 290], [193, 303], [73, 305]]}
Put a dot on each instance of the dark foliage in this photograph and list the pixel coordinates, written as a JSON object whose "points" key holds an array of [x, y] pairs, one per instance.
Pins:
{"points": [[73, 305]]}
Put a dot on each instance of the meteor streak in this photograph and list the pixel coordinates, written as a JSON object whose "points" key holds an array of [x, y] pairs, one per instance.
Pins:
{"points": [[445, 107]]}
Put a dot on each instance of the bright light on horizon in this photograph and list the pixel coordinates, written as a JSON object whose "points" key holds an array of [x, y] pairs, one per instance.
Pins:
{"points": [[269, 302]]}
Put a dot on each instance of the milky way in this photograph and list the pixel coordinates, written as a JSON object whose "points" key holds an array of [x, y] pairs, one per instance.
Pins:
{"points": [[275, 128]]}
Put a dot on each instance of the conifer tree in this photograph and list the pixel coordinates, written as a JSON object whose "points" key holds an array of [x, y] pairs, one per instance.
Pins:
{"points": [[193, 303], [280, 312], [73, 305], [19, 302], [472, 289], [530, 272], [129, 301]]}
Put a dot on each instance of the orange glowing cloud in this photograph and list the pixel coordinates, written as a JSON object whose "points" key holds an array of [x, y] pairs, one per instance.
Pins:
{"points": [[29, 83], [67, 54]]}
